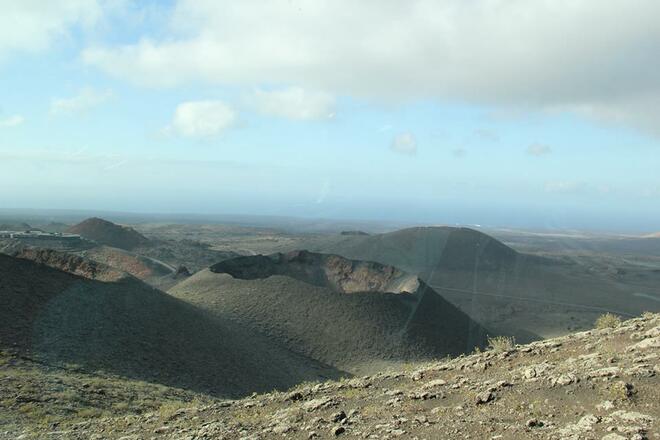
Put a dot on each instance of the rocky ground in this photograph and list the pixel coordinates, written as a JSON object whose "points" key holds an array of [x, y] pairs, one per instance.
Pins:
{"points": [[597, 384]]}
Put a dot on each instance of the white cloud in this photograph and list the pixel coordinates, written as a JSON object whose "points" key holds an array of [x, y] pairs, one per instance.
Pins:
{"points": [[31, 25], [538, 150], [587, 56], [202, 118], [404, 143], [294, 103], [86, 99], [12, 121]]}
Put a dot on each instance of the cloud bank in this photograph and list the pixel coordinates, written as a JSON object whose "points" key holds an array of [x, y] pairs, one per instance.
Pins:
{"points": [[294, 103], [31, 25], [590, 57]]}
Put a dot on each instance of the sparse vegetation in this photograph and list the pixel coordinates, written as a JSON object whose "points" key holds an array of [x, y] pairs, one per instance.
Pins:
{"points": [[27, 408], [501, 343], [416, 395], [621, 391], [351, 393], [608, 320], [86, 413], [168, 409], [403, 400], [120, 407]]}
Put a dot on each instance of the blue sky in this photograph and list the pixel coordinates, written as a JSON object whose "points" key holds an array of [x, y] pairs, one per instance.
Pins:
{"points": [[391, 112]]}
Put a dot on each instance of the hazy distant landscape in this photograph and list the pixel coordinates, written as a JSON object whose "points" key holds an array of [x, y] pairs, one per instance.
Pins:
{"points": [[522, 283], [295, 219], [134, 306]]}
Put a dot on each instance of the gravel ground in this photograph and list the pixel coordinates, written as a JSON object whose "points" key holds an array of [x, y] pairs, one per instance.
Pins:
{"points": [[597, 384]]}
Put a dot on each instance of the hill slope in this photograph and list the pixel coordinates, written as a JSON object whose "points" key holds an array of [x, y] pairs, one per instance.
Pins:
{"points": [[143, 268], [350, 314], [599, 384], [430, 250], [66, 262], [133, 330], [15, 227], [512, 293], [109, 234]]}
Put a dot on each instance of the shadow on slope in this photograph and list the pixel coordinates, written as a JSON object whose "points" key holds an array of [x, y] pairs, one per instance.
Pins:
{"points": [[349, 314], [131, 329], [423, 249], [511, 292]]}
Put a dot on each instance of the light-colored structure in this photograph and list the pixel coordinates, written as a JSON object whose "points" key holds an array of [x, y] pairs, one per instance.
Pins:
{"points": [[49, 240], [39, 235]]}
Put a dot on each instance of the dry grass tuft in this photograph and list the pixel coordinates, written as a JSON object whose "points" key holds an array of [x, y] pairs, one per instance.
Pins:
{"points": [[501, 343], [608, 320], [622, 391]]}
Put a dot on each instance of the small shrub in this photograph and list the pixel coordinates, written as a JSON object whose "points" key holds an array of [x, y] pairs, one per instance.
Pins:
{"points": [[27, 408], [351, 393], [86, 413], [622, 391], [67, 396], [120, 406], [168, 409], [608, 320], [35, 413], [501, 343]]}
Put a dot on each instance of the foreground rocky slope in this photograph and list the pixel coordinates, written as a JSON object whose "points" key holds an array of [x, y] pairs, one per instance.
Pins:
{"points": [[598, 384]]}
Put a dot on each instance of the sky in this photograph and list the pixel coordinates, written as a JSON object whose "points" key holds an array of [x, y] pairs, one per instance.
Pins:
{"points": [[520, 113]]}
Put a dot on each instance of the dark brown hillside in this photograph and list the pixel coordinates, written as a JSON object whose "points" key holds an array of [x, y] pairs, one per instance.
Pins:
{"points": [[423, 249], [140, 267], [109, 234], [519, 294], [323, 270], [469, 249], [349, 314], [70, 263], [136, 331]]}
